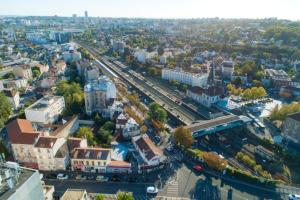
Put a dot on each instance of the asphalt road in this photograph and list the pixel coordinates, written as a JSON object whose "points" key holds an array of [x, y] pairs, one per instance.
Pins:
{"points": [[178, 182]]}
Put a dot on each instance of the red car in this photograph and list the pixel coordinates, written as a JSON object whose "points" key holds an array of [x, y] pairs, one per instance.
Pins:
{"points": [[198, 168]]}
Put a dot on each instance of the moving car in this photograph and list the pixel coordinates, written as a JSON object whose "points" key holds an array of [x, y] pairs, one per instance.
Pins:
{"points": [[62, 176], [198, 168], [294, 197], [152, 190]]}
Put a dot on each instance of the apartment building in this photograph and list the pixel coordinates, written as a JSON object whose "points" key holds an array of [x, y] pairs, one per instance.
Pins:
{"points": [[193, 79], [227, 69], [22, 137], [18, 183], [16, 83], [46, 110], [278, 78], [91, 73], [23, 71], [71, 56], [90, 159], [205, 96], [52, 153], [76, 194], [99, 94]]}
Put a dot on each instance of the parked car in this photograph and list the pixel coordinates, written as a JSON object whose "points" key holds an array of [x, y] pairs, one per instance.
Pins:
{"points": [[152, 190], [198, 168], [115, 178], [101, 178], [62, 176], [90, 177], [294, 197]]}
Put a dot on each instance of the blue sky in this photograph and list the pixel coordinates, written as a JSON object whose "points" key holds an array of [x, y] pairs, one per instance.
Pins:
{"points": [[282, 9]]}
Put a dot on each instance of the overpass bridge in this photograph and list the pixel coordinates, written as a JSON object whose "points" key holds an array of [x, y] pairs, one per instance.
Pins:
{"points": [[218, 124]]}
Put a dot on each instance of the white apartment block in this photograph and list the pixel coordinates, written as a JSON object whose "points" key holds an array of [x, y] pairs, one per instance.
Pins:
{"points": [[45, 110], [13, 84], [188, 78]]}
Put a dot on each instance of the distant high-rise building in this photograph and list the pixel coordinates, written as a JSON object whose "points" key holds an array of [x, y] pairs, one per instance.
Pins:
{"points": [[86, 17]]}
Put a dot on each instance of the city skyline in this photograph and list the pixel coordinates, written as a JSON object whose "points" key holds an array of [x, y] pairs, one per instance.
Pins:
{"points": [[166, 9]]}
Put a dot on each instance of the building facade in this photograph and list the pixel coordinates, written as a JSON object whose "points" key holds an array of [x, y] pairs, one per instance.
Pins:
{"points": [[99, 94], [205, 96], [291, 127], [192, 79]]}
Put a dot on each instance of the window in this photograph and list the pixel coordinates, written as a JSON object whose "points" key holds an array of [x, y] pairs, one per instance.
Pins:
{"points": [[87, 162], [99, 163]]}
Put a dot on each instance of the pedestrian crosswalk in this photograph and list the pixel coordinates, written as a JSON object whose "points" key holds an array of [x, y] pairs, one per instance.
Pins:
{"points": [[172, 189]]}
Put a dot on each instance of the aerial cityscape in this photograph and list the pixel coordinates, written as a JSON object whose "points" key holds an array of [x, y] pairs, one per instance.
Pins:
{"points": [[141, 100]]}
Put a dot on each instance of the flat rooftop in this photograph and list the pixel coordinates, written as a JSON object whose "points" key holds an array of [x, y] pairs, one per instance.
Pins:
{"points": [[43, 103], [202, 125], [73, 194], [19, 180]]}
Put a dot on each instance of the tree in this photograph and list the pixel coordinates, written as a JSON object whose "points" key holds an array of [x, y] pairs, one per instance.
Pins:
{"points": [[86, 132], [125, 196], [100, 197], [214, 161], [144, 129], [73, 94], [152, 71], [156, 112], [183, 136], [5, 109]]}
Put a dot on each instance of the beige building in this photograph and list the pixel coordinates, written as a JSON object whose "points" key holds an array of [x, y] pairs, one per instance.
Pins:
{"points": [[52, 153], [90, 159], [23, 71], [22, 138], [75, 194]]}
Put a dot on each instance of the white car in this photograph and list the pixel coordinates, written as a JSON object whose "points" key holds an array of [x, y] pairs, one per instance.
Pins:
{"points": [[61, 176], [294, 197], [152, 190]]}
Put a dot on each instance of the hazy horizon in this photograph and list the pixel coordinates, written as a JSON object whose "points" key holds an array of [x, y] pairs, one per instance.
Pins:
{"points": [[167, 9]]}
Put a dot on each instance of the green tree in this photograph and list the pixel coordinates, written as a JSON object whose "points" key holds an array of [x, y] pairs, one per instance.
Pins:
{"points": [[156, 112], [5, 109], [86, 132], [73, 94], [100, 197], [125, 196], [183, 136]]}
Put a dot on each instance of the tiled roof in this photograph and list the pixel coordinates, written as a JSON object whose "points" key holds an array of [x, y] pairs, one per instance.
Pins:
{"points": [[148, 147], [210, 91], [91, 153], [20, 131], [118, 164], [45, 142], [73, 143]]}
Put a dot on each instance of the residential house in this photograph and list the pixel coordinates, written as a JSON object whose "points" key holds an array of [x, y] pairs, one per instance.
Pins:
{"points": [[150, 153], [127, 126], [227, 69]]}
